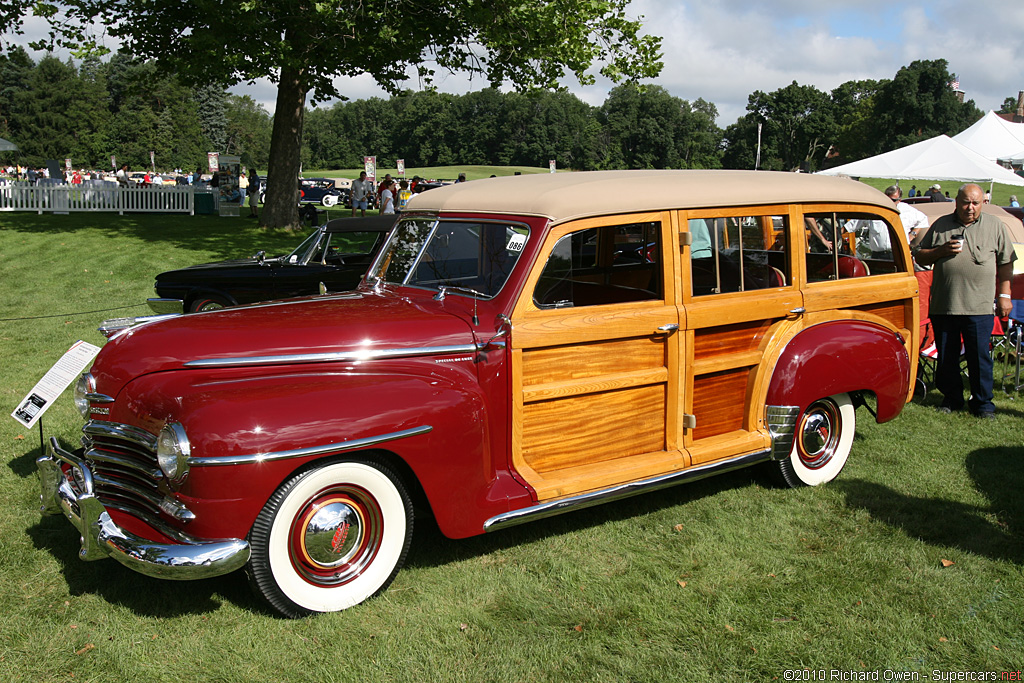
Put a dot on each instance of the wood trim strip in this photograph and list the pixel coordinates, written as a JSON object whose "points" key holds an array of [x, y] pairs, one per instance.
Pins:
{"points": [[726, 362], [579, 387]]}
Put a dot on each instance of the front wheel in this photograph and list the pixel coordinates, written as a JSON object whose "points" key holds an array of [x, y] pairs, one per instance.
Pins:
{"points": [[822, 443], [208, 302], [330, 538]]}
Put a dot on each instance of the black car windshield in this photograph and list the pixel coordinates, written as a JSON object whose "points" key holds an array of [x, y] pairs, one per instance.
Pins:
{"points": [[431, 253], [310, 247]]}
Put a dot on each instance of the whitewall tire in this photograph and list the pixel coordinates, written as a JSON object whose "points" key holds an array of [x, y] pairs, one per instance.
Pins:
{"points": [[822, 442], [330, 537]]}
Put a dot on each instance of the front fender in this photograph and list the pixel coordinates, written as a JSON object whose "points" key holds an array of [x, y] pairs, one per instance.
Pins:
{"points": [[238, 413], [843, 356]]}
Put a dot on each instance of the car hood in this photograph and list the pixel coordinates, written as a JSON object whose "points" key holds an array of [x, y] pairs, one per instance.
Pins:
{"points": [[221, 266], [355, 322]]}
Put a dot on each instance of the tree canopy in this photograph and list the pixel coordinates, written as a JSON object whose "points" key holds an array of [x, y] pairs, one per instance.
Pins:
{"points": [[304, 44]]}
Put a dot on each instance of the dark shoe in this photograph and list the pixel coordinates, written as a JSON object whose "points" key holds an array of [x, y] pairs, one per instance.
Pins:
{"points": [[945, 410], [985, 416]]}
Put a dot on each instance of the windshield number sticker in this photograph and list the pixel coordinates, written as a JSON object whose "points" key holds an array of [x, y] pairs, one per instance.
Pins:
{"points": [[516, 242]]}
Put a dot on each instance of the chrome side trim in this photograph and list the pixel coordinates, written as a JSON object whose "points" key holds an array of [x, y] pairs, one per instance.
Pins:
{"points": [[101, 537], [98, 398], [585, 500], [781, 422], [214, 461], [334, 357]]}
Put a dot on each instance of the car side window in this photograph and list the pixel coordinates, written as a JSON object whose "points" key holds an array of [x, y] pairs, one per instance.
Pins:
{"points": [[605, 265], [844, 245], [738, 253]]}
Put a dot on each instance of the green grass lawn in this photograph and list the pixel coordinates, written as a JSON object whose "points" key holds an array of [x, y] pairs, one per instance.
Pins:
{"points": [[730, 578]]}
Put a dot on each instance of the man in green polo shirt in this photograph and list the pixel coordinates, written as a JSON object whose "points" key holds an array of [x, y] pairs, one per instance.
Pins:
{"points": [[973, 258]]}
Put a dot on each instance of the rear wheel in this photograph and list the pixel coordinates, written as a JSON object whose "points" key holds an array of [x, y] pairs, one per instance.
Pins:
{"points": [[330, 538], [822, 443], [208, 302]]}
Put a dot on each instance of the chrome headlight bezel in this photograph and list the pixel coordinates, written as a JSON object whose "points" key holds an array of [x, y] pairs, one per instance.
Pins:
{"points": [[173, 451], [85, 385]]}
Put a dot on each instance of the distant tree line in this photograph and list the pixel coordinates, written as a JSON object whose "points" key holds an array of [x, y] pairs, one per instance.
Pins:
{"points": [[124, 107]]}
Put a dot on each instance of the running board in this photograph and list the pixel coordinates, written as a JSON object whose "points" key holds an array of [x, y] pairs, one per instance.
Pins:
{"points": [[585, 500]]}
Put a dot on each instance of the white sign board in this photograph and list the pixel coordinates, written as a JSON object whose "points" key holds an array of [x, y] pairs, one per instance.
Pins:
{"points": [[54, 382]]}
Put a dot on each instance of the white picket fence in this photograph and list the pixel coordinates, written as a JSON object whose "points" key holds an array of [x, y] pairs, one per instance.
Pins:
{"points": [[95, 195]]}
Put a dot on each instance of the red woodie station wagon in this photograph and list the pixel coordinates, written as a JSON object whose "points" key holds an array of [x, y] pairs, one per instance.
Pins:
{"points": [[520, 347]]}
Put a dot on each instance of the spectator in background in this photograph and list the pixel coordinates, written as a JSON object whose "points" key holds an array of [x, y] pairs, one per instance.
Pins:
{"points": [[1013, 201], [461, 178], [243, 185], [913, 191], [404, 194], [973, 258], [935, 193], [387, 197], [361, 189], [254, 192]]}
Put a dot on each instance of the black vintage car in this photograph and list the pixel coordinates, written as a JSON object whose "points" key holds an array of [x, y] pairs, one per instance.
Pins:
{"points": [[336, 254], [318, 191]]}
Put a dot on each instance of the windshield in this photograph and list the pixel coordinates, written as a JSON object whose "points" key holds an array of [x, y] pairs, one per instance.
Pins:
{"points": [[302, 253], [428, 253]]}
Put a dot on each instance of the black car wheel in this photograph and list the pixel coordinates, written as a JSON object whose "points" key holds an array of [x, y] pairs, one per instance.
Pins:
{"points": [[208, 302]]}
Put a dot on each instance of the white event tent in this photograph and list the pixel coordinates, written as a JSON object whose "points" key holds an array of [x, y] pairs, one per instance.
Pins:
{"points": [[940, 158], [994, 138]]}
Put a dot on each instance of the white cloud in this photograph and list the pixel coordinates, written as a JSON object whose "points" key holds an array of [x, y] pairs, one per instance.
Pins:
{"points": [[722, 50]]}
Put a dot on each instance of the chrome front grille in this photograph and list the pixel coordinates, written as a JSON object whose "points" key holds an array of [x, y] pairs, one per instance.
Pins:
{"points": [[125, 470]]}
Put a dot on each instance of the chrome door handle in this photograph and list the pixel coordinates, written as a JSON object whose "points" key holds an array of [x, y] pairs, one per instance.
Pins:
{"points": [[798, 311], [668, 329]]}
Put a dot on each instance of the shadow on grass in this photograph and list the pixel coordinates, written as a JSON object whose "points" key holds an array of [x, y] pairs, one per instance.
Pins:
{"points": [[430, 548], [121, 586], [995, 530], [224, 237]]}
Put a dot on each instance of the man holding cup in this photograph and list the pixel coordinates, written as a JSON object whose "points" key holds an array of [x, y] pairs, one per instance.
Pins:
{"points": [[973, 258]]}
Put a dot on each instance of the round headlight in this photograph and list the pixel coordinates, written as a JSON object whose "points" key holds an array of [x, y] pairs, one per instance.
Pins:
{"points": [[172, 451], [86, 384]]}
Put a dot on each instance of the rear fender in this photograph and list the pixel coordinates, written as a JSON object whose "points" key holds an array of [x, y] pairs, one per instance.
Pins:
{"points": [[843, 356]]}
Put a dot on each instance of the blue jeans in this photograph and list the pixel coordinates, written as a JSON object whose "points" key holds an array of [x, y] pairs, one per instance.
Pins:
{"points": [[976, 332]]}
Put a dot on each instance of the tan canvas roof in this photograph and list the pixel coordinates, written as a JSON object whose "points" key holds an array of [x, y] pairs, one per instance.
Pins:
{"points": [[935, 209], [564, 196]]}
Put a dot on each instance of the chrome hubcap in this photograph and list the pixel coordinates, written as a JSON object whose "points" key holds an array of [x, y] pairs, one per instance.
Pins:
{"points": [[819, 434], [335, 536]]}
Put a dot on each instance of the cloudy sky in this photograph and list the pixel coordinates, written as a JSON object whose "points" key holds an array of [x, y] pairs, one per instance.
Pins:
{"points": [[722, 50]]}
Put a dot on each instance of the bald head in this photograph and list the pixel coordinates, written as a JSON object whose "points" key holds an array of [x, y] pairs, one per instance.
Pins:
{"points": [[969, 200]]}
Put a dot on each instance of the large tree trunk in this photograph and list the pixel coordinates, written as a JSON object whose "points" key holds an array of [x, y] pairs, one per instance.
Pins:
{"points": [[282, 200]]}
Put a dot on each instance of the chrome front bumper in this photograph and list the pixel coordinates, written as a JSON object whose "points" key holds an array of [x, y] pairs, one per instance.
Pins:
{"points": [[101, 537]]}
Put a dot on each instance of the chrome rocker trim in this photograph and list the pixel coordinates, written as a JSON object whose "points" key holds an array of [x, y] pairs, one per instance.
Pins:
{"points": [[585, 500], [334, 357], [304, 452], [101, 537]]}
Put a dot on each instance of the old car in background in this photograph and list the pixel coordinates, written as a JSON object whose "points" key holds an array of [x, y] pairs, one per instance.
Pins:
{"points": [[502, 362], [336, 254], [324, 191]]}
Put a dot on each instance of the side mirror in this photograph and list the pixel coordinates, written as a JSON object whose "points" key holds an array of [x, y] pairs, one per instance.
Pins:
{"points": [[502, 329]]}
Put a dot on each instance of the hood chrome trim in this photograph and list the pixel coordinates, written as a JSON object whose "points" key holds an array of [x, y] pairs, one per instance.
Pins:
{"points": [[333, 357], [214, 461]]}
